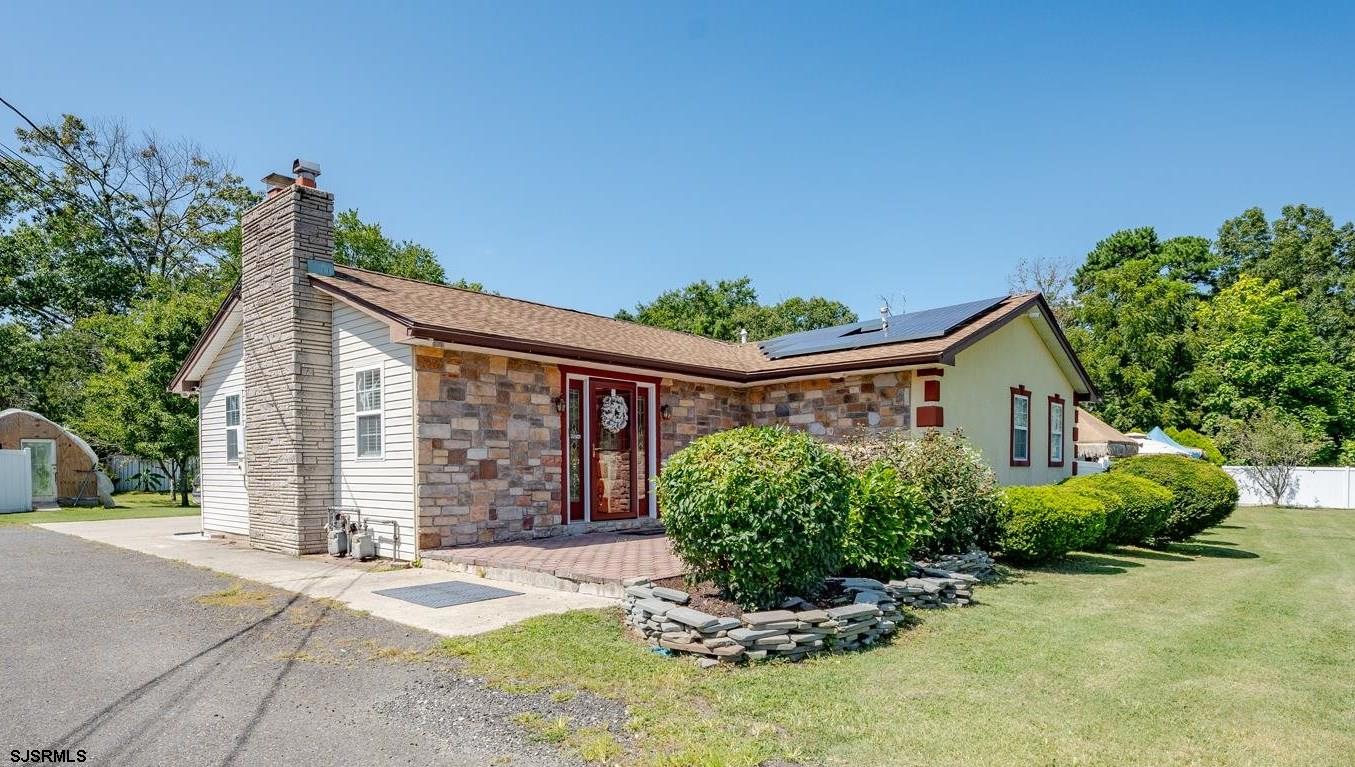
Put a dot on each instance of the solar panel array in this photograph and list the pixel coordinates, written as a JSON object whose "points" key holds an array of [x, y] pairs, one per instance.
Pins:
{"points": [[913, 326]]}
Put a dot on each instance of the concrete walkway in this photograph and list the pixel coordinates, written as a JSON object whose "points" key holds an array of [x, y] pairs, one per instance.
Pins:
{"points": [[320, 577]]}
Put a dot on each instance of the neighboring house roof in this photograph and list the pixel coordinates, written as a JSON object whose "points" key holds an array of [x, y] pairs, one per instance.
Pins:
{"points": [[1093, 430], [468, 318]]}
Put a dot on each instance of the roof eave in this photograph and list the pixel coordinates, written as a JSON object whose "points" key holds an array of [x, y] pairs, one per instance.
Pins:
{"points": [[181, 384]]}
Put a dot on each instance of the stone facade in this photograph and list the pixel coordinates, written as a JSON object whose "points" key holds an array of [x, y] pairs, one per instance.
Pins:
{"points": [[836, 407], [490, 463], [696, 409], [489, 458], [289, 380]]}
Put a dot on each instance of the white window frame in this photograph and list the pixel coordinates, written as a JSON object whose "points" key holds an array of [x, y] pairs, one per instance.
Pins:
{"points": [[378, 412], [1020, 458], [237, 428], [1056, 434]]}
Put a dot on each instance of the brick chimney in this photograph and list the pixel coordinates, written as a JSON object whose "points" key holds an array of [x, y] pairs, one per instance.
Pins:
{"points": [[289, 376]]}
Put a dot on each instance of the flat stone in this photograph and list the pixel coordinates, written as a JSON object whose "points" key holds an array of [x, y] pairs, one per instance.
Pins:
{"points": [[773, 640], [757, 620], [639, 592], [708, 663], [638, 580], [787, 647], [795, 603], [803, 638], [858, 584], [748, 636], [718, 642], [695, 647], [872, 597], [726, 624], [811, 616], [670, 626], [694, 618], [755, 654], [849, 612], [782, 625], [671, 595], [655, 606], [728, 651]]}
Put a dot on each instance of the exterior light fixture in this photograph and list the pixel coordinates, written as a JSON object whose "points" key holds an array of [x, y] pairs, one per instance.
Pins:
{"points": [[666, 412]]}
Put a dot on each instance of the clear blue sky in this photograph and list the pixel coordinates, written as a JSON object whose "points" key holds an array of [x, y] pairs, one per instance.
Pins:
{"points": [[591, 155]]}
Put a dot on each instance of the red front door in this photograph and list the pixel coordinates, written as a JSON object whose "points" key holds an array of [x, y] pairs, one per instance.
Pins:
{"points": [[614, 452]]}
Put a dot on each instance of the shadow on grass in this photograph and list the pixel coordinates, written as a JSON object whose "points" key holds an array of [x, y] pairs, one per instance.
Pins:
{"points": [[1089, 564], [1204, 549], [1230, 527], [1157, 556]]}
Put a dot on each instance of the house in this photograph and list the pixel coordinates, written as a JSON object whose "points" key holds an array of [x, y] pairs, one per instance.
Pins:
{"points": [[1097, 439], [64, 467], [451, 417]]}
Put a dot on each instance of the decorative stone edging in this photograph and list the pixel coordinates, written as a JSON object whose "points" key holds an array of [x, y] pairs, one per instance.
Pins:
{"points": [[865, 612]]}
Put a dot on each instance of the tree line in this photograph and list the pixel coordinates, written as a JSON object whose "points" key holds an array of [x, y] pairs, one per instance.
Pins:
{"points": [[115, 250]]}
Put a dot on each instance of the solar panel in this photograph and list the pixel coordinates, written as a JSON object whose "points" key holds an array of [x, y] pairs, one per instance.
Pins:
{"points": [[912, 326]]}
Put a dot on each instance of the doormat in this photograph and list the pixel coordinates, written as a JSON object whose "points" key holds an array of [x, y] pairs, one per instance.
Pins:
{"points": [[446, 594]]}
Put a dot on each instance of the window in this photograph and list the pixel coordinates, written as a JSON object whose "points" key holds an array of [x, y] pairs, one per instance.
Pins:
{"points": [[233, 444], [1020, 437], [1056, 430], [367, 404]]}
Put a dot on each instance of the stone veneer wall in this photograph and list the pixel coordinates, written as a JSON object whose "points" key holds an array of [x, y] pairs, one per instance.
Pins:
{"points": [[489, 456], [289, 379], [696, 409], [836, 407]]}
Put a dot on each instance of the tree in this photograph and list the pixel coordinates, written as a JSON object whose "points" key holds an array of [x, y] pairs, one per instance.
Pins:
{"points": [[1133, 303], [362, 244], [103, 217], [1305, 251], [1255, 350], [1052, 277], [1270, 445], [721, 310], [127, 406]]}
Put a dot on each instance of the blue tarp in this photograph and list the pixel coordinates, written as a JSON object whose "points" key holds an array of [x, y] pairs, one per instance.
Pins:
{"points": [[1158, 435]]}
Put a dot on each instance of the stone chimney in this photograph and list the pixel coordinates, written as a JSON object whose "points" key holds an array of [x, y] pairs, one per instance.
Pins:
{"points": [[289, 376]]}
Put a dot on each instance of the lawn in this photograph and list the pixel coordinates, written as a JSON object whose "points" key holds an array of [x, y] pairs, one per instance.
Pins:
{"points": [[1235, 649], [130, 506]]}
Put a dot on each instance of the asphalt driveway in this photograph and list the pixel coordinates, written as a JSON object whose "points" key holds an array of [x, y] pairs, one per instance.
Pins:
{"points": [[138, 660]]}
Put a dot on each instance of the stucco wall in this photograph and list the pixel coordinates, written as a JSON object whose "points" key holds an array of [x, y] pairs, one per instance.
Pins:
{"points": [[976, 395]]}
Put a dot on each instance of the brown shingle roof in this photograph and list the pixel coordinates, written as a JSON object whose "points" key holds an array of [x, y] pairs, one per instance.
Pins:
{"points": [[444, 313]]}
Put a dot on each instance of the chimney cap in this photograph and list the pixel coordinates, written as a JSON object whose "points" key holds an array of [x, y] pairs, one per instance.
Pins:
{"points": [[306, 168], [277, 181]]}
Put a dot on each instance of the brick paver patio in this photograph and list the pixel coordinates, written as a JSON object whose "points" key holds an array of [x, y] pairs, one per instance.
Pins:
{"points": [[595, 557]]}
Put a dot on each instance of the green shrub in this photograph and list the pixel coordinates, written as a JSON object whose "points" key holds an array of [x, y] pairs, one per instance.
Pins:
{"points": [[1192, 438], [758, 511], [1136, 508], [1043, 523], [887, 516], [959, 489], [1203, 495]]}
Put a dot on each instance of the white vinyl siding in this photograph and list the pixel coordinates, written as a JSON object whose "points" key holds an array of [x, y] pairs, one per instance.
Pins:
{"points": [[225, 507], [381, 486]]}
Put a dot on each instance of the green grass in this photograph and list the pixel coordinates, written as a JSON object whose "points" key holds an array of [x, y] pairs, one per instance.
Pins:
{"points": [[1235, 649], [130, 506]]}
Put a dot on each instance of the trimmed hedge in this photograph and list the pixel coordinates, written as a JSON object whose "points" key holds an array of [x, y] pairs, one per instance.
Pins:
{"points": [[1045, 522], [886, 518], [1136, 508], [758, 511], [1203, 495]]}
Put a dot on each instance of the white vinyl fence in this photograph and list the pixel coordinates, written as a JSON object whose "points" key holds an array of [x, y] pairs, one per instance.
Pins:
{"points": [[126, 472], [1322, 487], [16, 481]]}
